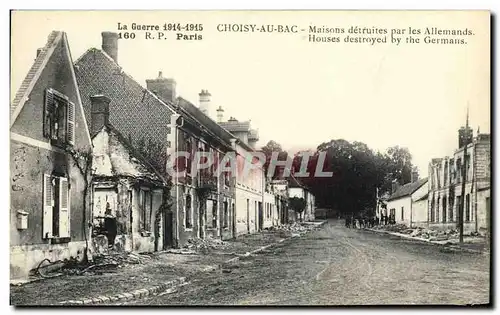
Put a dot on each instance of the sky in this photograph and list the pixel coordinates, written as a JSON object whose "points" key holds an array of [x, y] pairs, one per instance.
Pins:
{"points": [[295, 92]]}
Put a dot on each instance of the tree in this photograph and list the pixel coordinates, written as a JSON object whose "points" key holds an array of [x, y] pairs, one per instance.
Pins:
{"points": [[357, 173], [400, 165], [298, 204], [268, 149], [83, 162]]}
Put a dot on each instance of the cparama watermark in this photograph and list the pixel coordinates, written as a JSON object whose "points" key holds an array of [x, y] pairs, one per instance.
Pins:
{"points": [[183, 163]]}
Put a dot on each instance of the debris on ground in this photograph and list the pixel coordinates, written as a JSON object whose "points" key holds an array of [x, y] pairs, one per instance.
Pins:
{"points": [[101, 263], [294, 227], [205, 244], [420, 232], [122, 258], [181, 251]]}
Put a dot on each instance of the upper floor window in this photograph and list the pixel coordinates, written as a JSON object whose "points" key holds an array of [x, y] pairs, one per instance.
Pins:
{"points": [[188, 161], [445, 173], [59, 118]]}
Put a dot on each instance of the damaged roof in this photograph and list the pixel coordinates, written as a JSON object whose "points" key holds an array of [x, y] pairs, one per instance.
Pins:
{"points": [[407, 189], [133, 106], [115, 156]]}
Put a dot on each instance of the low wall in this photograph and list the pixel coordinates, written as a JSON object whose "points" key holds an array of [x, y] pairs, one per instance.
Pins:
{"points": [[23, 258]]}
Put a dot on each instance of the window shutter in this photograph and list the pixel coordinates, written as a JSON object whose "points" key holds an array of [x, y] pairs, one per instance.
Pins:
{"points": [[48, 110], [63, 208], [48, 203], [71, 123]]}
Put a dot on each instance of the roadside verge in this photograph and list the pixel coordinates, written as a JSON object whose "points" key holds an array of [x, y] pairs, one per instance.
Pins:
{"points": [[449, 245]]}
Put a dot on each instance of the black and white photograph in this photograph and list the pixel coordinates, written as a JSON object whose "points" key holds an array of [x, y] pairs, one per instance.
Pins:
{"points": [[250, 158]]}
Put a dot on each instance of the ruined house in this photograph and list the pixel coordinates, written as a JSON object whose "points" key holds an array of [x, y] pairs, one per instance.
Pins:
{"points": [[445, 185], [51, 162], [141, 118], [158, 124], [126, 189]]}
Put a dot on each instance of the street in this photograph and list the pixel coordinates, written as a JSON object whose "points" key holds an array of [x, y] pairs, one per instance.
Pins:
{"points": [[340, 266]]}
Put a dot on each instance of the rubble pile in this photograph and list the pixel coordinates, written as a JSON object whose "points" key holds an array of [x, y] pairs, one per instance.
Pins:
{"points": [[293, 229], [395, 228], [420, 232], [205, 244], [121, 258]]}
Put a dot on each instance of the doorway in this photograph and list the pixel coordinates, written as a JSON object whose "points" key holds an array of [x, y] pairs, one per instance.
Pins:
{"points": [[168, 231], [261, 217]]}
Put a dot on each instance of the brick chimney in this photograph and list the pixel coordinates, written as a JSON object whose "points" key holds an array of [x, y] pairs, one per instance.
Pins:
{"points": [[463, 135], [164, 88], [205, 102], [110, 44], [220, 114], [414, 175], [99, 113]]}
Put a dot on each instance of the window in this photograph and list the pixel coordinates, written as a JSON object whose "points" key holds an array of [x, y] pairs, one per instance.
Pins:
{"points": [[188, 222], [213, 159], [226, 215], [211, 213], [214, 214], [467, 208], [433, 218], [445, 173], [451, 169], [467, 166], [255, 209], [145, 205], [189, 159], [56, 208], [450, 210], [444, 209], [438, 176], [402, 213], [59, 118], [208, 213]]}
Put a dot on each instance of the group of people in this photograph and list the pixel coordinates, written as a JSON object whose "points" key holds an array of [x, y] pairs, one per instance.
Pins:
{"points": [[368, 222]]}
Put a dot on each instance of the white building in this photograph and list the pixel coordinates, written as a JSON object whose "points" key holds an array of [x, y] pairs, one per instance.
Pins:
{"points": [[296, 189], [408, 203]]}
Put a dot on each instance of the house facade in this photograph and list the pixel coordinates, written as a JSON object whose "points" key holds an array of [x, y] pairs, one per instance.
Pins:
{"points": [[126, 189], [50, 166], [141, 118], [279, 187], [249, 186], [203, 204], [296, 189], [406, 204], [213, 199], [249, 191], [445, 185]]}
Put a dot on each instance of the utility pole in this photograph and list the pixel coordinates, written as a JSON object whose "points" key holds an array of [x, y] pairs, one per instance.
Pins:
{"points": [[464, 176]]}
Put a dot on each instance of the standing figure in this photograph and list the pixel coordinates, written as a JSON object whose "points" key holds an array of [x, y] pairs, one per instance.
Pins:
{"points": [[110, 226]]}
